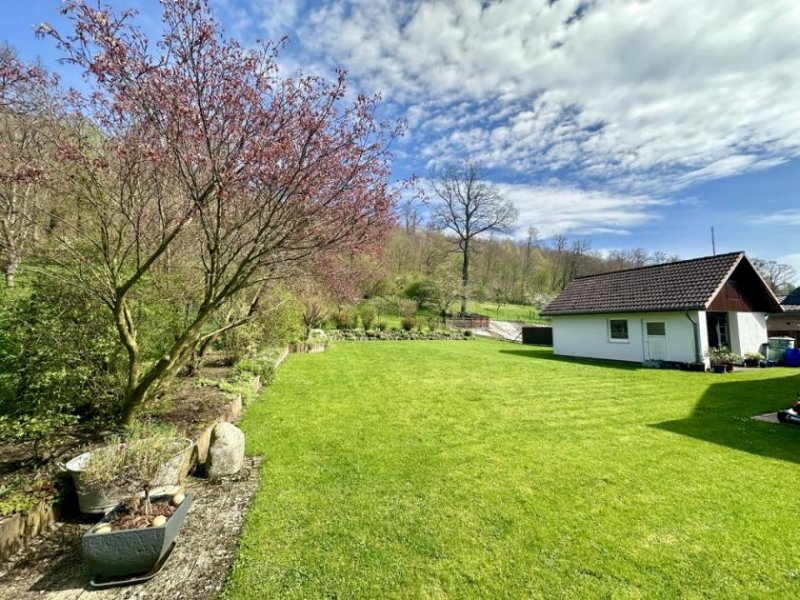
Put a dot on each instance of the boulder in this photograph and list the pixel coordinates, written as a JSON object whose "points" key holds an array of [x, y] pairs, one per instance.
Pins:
{"points": [[226, 451]]}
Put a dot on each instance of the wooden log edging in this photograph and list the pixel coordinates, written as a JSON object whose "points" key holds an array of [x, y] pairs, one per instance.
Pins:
{"points": [[17, 530]]}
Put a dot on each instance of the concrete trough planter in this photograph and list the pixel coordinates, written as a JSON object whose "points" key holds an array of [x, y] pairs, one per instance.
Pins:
{"points": [[131, 552], [92, 500]]}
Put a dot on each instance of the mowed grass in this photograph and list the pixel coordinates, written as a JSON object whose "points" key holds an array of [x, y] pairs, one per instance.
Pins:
{"points": [[486, 469]]}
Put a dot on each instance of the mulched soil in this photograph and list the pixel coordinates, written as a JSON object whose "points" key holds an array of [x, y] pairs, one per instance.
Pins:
{"points": [[136, 520], [51, 567]]}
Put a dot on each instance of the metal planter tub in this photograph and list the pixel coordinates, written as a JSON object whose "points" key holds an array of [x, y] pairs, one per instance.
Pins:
{"points": [[93, 500], [131, 552]]}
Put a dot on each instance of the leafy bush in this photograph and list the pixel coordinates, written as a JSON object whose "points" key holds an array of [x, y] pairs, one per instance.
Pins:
{"points": [[262, 365], [345, 319], [368, 314], [60, 360], [276, 323], [407, 323], [23, 491], [406, 308], [467, 333], [421, 291]]}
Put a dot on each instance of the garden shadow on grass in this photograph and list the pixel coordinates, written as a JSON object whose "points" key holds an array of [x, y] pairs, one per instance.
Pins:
{"points": [[723, 416], [542, 353]]}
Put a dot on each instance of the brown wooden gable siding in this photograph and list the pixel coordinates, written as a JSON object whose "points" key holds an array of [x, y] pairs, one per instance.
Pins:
{"points": [[744, 291]]}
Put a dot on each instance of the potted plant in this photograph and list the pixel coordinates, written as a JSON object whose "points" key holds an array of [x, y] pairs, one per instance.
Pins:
{"points": [[731, 360], [719, 359], [753, 359], [132, 539], [95, 473]]}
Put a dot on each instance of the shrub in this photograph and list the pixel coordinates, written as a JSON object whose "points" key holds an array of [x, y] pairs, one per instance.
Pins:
{"points": [[421, 291], [467, 333], [345, 319], [406, 308], [278, 321], [381, 326], [407, 323], [368, 314], [60, 361]]}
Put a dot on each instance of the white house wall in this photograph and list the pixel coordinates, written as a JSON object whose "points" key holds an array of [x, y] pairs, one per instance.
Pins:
{"points": [[588, 336], [748, 331]]}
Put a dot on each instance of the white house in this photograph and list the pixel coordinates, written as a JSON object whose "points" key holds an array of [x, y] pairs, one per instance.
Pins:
{"points": [[671, 312]]}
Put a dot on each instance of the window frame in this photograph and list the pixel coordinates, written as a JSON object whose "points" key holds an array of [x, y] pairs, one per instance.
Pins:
{"points": [[615, 340]]}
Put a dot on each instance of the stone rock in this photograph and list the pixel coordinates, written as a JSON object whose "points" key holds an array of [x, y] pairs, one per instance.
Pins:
{"points": [[225, 452]]}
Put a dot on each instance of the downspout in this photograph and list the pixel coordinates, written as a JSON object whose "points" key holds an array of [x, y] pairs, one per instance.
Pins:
{"points": [[696, 328]]}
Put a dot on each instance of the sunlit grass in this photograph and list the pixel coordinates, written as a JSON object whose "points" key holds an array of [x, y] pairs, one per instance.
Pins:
{"points": [[485, 469]]}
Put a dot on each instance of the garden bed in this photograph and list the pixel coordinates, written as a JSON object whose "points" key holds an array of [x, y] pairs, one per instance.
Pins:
{"points": [[51, 567], [31, 494]]}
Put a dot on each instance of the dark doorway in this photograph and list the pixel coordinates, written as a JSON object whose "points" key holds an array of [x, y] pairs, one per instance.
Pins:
{"points": [[718, 330]]}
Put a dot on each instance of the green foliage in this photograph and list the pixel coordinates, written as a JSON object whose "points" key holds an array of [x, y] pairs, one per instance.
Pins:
{"points": [[420, 291], [22, 492], [59, 360], [722, 356], [261, 365], [277, 321], [406, 308], [754, 356], [345, 318], [368, 313], [407, 323]]}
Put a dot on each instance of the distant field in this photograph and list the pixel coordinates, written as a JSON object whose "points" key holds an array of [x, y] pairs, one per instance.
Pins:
{"points": [[508, 312]]}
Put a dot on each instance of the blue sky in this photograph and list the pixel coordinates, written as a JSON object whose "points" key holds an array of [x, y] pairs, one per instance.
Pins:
{"points": [[632, 123]]}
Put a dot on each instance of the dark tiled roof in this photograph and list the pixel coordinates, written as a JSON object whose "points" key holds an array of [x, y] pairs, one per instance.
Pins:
{"points": [[791, 302], [687, 284]]}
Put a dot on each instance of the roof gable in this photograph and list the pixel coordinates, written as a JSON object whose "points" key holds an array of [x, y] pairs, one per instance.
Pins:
{"points": [[683, 285]]}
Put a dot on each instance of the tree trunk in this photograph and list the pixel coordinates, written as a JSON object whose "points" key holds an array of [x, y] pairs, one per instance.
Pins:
{"points": [[11, 271], [464, 277]]}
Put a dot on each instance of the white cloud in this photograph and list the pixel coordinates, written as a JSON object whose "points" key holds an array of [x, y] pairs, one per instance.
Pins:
{"points": [[786, 217], [557, 210], [637, 94]]}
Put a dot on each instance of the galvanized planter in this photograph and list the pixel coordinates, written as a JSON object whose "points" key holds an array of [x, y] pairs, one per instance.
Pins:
{"points": [[131, 552], [92, 500]]}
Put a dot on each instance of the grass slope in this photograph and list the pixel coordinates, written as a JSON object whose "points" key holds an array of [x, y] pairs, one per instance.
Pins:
{"points": [[466, 469]]}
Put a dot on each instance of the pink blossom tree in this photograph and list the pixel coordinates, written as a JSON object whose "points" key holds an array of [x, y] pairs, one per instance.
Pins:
{"points": [[193, 154]]}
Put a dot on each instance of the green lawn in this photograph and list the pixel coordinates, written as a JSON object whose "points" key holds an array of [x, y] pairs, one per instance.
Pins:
{"points": [[485, 469]]}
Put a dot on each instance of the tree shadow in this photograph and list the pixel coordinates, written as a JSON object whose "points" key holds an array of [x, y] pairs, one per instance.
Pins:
{"points": [[723, 414], [543, 353]]}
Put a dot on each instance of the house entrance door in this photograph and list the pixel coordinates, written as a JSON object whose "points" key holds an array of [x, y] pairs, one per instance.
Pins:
{"points": [[718, 335], [656, 340]]}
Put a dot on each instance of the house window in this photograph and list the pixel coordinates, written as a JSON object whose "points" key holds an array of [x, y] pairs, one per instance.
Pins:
{"points": [[656, 328], [618, 330]]}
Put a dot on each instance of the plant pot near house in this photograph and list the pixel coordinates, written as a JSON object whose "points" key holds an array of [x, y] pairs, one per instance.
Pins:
{"points": [[128, 543], [96, 474], [721, 359], [753, 359]]}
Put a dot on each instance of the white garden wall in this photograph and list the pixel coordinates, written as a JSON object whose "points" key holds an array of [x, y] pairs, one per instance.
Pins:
{"points": [[588, 336]]}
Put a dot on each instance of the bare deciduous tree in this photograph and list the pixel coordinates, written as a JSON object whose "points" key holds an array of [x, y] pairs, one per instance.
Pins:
{"points": [[780, 277], [468, 206]]}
